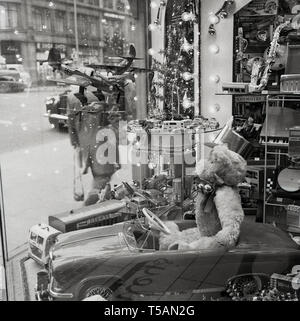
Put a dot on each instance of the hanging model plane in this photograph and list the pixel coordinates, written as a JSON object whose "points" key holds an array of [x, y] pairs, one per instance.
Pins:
{"points": [[125, 66], [111, 84]]}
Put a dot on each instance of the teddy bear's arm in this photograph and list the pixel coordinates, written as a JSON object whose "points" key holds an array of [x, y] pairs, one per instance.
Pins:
{"points": [[231, 215]]}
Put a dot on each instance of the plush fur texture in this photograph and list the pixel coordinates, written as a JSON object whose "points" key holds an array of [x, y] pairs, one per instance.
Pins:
{"points": [[219, 219]]}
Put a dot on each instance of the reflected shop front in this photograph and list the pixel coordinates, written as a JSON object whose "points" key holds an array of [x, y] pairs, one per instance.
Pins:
{"points": [[149, 150]]}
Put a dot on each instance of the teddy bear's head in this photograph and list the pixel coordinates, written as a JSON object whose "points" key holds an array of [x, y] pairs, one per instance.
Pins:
{"points": [[223, 166]]}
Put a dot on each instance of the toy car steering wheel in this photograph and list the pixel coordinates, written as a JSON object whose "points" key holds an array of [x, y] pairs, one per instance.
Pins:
{"points": [[156, 222]]}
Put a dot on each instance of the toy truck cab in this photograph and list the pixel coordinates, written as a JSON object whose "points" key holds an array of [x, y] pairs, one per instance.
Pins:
{"points": [[41, 238]]}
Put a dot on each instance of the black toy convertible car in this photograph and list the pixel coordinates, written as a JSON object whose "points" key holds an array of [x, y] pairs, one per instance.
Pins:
{"points": [[123, 262]]}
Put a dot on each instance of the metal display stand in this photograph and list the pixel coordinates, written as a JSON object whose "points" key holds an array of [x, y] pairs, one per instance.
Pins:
{"points": [[280, 156], [3, 248]]}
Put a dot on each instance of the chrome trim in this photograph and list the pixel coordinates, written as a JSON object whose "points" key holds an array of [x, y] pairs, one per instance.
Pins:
{"points": [[56, 116], [57, 295]]}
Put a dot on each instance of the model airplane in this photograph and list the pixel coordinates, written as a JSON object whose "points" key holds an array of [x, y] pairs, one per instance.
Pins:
{"points": [[112, 84], [125, 66]]}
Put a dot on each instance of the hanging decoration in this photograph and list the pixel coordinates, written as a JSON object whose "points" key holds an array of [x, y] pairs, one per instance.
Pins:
{"points": [[223, 13], [157, 22], [174, 73]]}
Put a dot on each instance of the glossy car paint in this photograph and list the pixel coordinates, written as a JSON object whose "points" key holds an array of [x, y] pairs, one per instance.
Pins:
{"points": [[101, 257]]}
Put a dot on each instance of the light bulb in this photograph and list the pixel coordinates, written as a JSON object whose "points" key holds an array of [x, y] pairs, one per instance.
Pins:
{"points": [[214, 108], [156, 22], [214, 78], [185, 16], [214, 48], [187, 76], [151, 52], [153, 5], [217, 107], [213, 19], [152, 27]]}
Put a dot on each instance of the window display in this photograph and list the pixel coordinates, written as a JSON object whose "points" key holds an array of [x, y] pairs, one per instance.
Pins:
{"points": [[149, 150]]}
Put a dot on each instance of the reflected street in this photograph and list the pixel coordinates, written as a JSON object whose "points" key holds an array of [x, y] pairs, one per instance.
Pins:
{"points": [[36, 161]]}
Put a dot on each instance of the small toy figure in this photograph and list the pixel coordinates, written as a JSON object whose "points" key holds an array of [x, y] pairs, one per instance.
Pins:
{"points": [[248, 129], [218, 209]]}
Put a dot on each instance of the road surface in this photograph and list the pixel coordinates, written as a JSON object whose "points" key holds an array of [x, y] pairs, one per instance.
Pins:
{"points": [[37, 164]]}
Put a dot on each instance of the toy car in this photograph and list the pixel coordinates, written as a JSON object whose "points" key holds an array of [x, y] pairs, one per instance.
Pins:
{"points": [[123, 262], [41, 238]]}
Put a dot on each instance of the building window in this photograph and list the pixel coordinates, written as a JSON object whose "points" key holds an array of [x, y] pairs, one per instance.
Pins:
{"points": [[94, 27], [93, 2], [41, 19], [9, 15], [114, 41], [71, 24], [108, 4], [60, 21], [121, 5], [82, 25]]}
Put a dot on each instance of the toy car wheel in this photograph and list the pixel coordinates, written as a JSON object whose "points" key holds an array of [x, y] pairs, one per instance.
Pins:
{"points": [[96, 289], [4, 88]]}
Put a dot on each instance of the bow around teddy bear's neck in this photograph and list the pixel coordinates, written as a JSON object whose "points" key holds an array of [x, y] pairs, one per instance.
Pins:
{"points": [[206, 213]]}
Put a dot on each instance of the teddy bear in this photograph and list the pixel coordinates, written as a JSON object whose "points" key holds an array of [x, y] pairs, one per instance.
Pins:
{"points": [[218, 209]]}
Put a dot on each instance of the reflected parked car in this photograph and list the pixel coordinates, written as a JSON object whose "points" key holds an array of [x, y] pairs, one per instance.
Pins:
{"points": [[124, 262], [56, 110], [11, 81], [24, 75]]}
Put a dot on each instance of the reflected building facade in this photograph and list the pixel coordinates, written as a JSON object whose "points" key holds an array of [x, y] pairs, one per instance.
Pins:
{"points": [[29, 28]]}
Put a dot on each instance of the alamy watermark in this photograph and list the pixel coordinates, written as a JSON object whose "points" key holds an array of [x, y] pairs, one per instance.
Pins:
{"points": [[179, 146]]}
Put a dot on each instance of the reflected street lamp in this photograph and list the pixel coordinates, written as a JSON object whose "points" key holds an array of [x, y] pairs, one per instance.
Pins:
{"points": [[76, 29]]}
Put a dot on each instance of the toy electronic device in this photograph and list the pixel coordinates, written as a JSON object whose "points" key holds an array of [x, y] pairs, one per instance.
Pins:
{"points": [[293, 215], [279, 122], [41, 238], [289, 180], [176, 124], [105, 213], [294, 142]]}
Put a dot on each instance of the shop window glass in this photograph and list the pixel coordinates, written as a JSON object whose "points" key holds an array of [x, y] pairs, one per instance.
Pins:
{"points": [[36, 154], [9, 15]]}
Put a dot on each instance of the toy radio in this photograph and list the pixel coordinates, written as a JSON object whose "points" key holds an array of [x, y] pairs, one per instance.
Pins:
{"points": [[41, 238], [293, 216], [176, 124], [294, 141], [285, 283]]}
